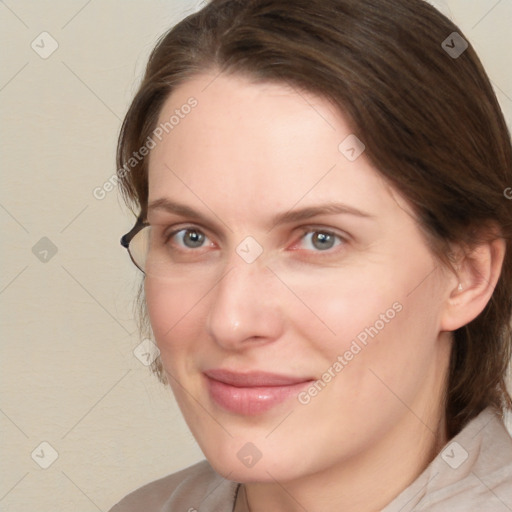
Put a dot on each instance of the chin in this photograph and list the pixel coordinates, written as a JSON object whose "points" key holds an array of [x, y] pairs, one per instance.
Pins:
{"points": [[240, 460], [233, 469]]}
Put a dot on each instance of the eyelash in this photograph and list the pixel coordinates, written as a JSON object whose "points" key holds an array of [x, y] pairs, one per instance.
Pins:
{"points": [[167, 237]]}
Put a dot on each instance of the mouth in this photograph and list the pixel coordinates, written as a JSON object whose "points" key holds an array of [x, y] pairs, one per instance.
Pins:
{"points": [[251, 393]]}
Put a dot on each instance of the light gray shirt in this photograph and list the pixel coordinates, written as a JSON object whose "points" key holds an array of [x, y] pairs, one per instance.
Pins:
{"points": [[473, 472]]}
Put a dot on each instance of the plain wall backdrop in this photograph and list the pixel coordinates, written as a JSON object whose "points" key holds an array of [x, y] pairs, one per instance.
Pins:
{"points": [[69, 376]]}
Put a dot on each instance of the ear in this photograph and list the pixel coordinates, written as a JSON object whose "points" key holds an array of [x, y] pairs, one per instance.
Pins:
{"points": [[472, 285]]}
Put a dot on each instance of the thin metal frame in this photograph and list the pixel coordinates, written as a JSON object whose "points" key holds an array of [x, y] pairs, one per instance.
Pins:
{"points": [[128, 237]]}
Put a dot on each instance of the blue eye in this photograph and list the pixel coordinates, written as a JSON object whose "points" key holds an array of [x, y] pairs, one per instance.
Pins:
{"points": [[316, 240], [322, 240], [191, 238]]}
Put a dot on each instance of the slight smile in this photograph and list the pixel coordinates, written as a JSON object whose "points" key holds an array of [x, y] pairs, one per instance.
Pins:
{"points": [[251, 393]]}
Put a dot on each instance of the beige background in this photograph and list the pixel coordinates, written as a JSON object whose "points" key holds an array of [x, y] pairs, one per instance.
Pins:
{"points": [[68, 373]]}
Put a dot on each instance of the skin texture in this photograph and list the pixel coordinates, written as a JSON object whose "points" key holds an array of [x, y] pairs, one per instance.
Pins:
{"points": [[245, 153]]}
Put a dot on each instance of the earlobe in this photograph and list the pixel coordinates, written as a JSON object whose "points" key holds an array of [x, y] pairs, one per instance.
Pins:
{"points": [[477, 274]]}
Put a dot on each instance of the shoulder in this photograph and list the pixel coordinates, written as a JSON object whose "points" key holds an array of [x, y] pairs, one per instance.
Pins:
{"points": [[473, 471], [184, 491]]}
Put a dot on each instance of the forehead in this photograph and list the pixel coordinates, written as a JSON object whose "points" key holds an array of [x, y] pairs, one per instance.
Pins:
{"points": [[263, 145]]}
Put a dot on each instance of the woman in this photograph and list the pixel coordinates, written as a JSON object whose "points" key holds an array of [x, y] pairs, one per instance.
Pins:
{"points": [[326, 245]]}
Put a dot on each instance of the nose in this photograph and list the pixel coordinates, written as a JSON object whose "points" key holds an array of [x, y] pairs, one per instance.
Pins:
{"points": [[245, 308]]}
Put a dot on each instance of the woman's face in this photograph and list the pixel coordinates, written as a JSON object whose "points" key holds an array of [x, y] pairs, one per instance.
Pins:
{"points": [[296, 307]]}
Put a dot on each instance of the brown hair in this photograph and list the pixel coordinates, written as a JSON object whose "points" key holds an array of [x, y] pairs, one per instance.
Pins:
{"points": [[429, 119]]}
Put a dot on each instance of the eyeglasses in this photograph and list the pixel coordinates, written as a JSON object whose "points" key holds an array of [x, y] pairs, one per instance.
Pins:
{"points": [[136, 241]]}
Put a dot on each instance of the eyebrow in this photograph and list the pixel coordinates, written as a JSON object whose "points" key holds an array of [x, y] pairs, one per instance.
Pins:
{"points": [[286, 217]]}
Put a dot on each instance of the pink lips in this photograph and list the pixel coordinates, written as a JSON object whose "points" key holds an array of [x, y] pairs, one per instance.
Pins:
{"points": [[253, 392]]}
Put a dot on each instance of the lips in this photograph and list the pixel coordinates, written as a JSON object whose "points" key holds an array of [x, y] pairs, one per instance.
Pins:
{"points": [[251, 393]]}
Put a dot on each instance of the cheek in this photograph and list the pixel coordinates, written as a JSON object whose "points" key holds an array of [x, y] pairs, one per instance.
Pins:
{"points": [[334, 306], [386, 344], [174, 309], [374, 317]]}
